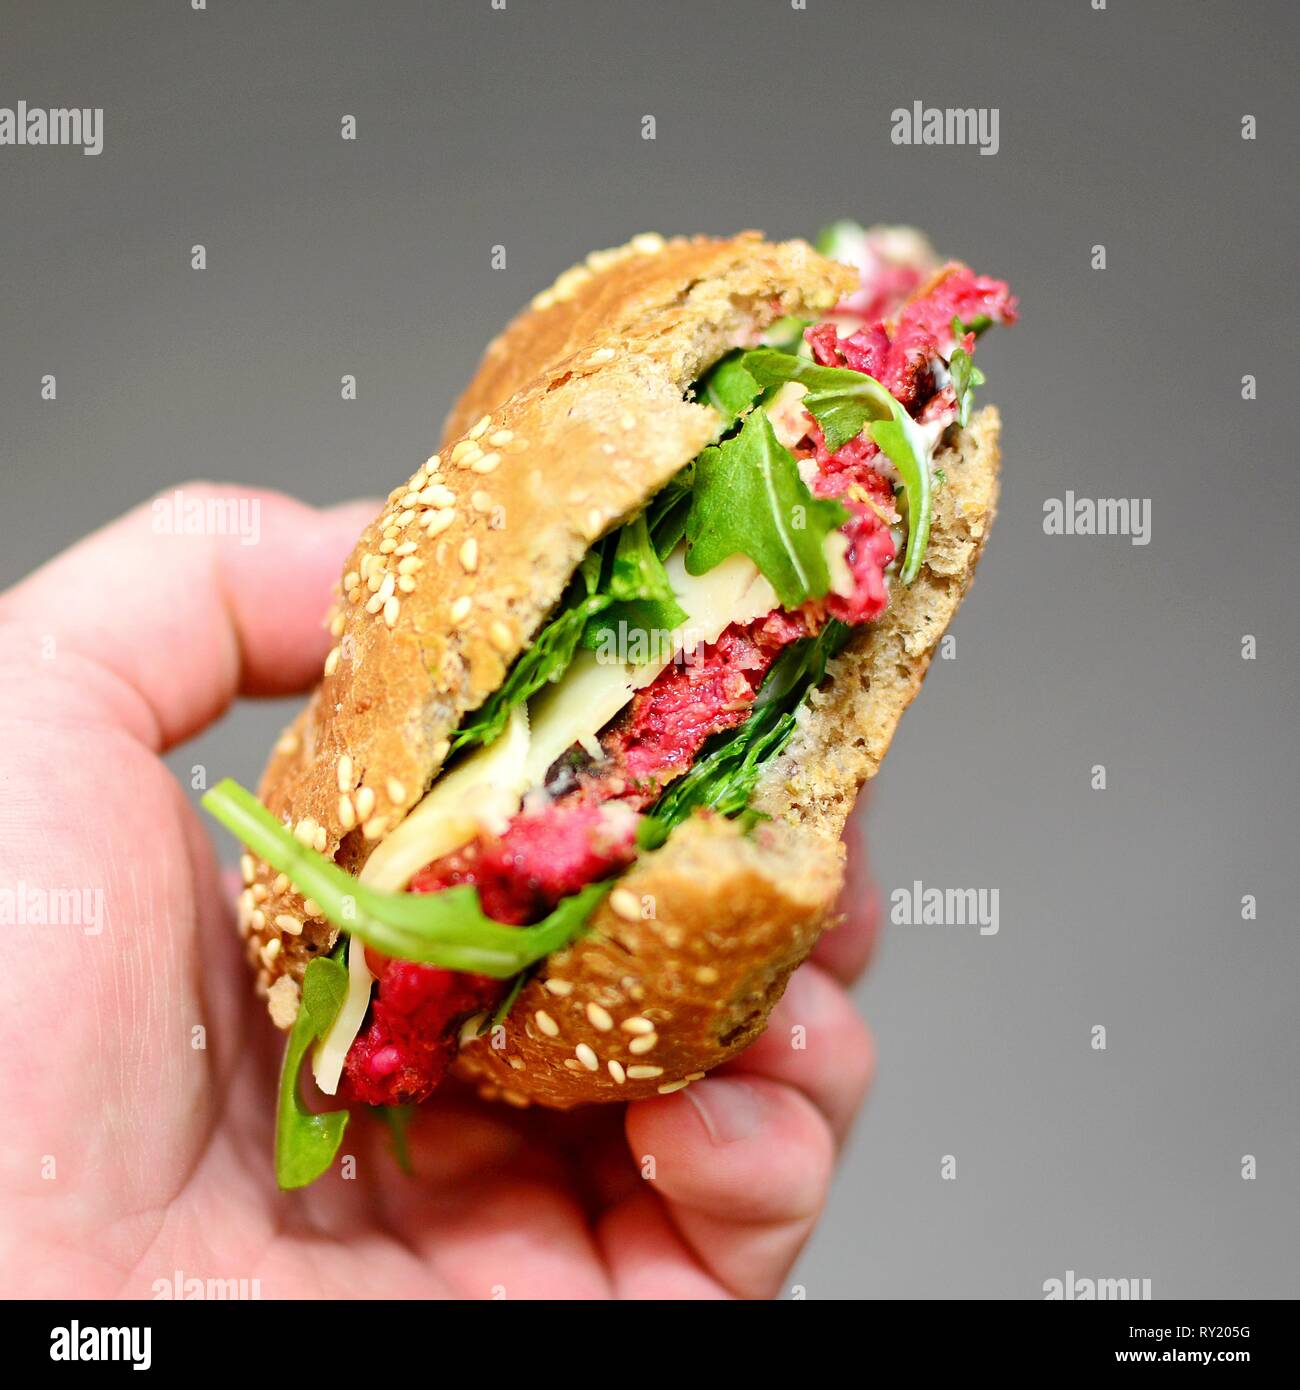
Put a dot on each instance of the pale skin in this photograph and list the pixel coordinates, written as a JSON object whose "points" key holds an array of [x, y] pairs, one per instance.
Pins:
{"points": [[129, 1153]]}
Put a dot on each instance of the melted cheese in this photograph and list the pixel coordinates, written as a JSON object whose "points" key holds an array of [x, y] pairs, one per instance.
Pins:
{"points": [[486, 790]]}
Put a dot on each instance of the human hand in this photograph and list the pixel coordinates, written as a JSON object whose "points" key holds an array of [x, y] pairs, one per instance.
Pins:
{"points": [[137, 1145]]}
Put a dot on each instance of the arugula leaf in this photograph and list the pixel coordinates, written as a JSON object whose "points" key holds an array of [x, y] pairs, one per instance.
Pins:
{"points": [[448, 929], [843, 401], [965, 378], [643, 598], [840, 399], [977, 325], [904, 444], [841, 241], [749, 499], [305, 1143], [724, 776], [545, 661], [728, 388], [786, 334], [398, 1120]]}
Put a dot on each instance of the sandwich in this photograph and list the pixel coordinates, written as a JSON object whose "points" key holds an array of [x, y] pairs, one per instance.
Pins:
{"points": [[609, 670]]}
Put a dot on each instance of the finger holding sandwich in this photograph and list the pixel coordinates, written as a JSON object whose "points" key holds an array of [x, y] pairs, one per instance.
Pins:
{"points": [[607, 674]]}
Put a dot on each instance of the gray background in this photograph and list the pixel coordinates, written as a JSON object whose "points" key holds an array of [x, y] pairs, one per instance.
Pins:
{"points": [[1119, 907]]}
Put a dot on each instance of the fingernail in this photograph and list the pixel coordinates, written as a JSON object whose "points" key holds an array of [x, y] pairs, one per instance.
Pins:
{"points": [[731, 1110]]}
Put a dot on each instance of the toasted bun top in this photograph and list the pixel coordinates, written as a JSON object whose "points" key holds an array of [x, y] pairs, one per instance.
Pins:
{"points": [[448, 585]]}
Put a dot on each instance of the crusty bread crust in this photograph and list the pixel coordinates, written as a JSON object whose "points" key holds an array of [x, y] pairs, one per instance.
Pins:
{"points": [[678, 971], [447, 586], [845, 729], [751, 915]]}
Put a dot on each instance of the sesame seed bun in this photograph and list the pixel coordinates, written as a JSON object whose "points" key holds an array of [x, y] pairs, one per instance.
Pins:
{"points": [[574, 419]]}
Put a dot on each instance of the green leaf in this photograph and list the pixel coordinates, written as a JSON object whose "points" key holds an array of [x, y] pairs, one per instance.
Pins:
{"points": [[902, 441], [305, 1143], [786, 334], [977, 325], [447, 929], [840, 399], [398, 1120], [728, 388], [965, 378], [841, 241], [723, 778], [844, 401], [639, 585], [749, 499], [545, 661]]}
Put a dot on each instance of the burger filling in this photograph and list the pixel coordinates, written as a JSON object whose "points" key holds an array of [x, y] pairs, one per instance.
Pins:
{"points": [[579, 826]]}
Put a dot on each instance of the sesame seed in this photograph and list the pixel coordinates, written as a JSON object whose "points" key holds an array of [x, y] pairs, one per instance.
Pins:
{"points": [[305, 831], [616, 1071], [595, 521], [258, 919], [373, 828], [441, 749], [392, 607], [464, 451], [647, 243], [437, 522], [289, 924], [642, 1044], [460, 609], [559, 988], [436, 495], [246, 868], [695, 1076], [546, 1023], [386, 588], [605, 354], [587, 1057], [499, 437], [347, 814], [351, 579], [624, 903], [344, 771], [287, 743], [388, 545], [320, 839], [332, 660], [406, 584], [469, 1029], [599, 1018], [480, 501], [644, 1073], [469, 554], [375, 603], [270, 950], [409, 499], [481, 428], [572, 1065], [486, 464], [280, 883], [433, 463], [500, 636], [406, 517], [637, 1025], [670, 1086], [706, 975], [259, 892], [396, 791], [411, 564], [337, 624], [406, 548], [365, 800]]}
